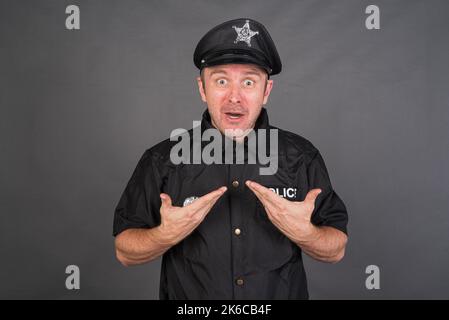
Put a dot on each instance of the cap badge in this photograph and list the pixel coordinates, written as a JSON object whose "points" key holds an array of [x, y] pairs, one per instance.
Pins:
{"points": [[244, 33]]}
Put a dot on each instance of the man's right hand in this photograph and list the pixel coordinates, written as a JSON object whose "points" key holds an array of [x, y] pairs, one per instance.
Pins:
{"points": [[178, 222], [140, 245]]}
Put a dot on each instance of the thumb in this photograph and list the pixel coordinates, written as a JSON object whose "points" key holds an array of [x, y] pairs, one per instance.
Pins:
{"points": [[166, 200], [312, 195]]}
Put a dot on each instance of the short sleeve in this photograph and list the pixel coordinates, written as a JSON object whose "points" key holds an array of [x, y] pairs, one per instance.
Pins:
{"points": [[139, 204], [329, 208]]}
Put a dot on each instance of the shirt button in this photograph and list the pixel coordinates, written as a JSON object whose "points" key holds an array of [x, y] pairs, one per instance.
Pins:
{"points": [[239, 282], [237, 231], [235, 184]]}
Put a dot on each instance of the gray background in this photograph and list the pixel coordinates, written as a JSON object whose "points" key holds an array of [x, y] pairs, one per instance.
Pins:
{"points": [[78, 109]]}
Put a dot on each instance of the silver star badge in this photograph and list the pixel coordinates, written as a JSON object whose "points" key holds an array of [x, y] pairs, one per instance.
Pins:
{"points": [[245, 33]]}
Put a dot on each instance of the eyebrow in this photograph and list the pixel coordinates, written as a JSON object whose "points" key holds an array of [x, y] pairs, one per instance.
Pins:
{"points": [[224, 72]]}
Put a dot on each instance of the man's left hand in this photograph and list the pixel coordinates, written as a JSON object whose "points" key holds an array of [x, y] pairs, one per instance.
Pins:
{"points": [[292, 218]]}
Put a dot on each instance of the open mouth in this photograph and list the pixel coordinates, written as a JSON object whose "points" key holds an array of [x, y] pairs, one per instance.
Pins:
{"points": [[234, 115]]}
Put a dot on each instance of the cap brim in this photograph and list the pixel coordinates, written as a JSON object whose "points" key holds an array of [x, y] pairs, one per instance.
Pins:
{"points": [[230, 58]]}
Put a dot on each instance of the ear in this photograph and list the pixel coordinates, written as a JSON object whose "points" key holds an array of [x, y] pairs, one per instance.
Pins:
{"points": [[201, 89], [267, 91]]}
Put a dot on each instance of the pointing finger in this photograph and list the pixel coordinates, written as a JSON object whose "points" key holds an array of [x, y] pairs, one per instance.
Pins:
{"points": [[266, 193], [269, 207], [267, 204], [209, 198]]}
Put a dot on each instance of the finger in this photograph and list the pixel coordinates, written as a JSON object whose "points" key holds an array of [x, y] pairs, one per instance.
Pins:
{"points": [[266, 193], [205, 210], [269, 194], [209, 198], [207, 206], [214, 195], [312, 195], [260, 197], [268, 205], [263, 199], [166, 200]]}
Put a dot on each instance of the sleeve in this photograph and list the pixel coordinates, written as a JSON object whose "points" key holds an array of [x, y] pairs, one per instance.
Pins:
{"points": [[139, 204], [329, 208]]}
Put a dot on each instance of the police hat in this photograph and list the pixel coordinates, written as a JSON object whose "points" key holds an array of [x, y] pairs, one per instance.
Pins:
{"points": [[238, 41]]}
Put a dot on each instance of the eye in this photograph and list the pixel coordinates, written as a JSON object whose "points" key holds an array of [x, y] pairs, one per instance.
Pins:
{"points": [[222, 82], [248, 82]]}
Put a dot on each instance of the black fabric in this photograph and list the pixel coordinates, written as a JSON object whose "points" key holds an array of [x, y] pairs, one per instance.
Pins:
{"points": [[208, 262]]}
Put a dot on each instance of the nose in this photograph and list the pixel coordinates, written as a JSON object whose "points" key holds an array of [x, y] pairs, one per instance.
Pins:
{"points": [[234, 94]]}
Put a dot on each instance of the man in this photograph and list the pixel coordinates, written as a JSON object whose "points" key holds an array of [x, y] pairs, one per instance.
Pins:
{"points": [[225, 230]]}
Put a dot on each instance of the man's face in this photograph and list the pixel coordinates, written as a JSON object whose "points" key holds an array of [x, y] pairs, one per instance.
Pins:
{"points": [[235, 94]]}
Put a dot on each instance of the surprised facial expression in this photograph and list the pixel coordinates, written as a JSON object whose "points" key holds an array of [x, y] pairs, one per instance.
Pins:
{"points": [[235, 94]]}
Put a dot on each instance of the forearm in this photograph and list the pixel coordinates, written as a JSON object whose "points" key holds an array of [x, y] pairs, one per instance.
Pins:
{"points": [[324, 243], [137, 246]]}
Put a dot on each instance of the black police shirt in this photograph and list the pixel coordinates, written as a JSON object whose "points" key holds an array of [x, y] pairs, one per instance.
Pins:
{"points": [[236, 252]]}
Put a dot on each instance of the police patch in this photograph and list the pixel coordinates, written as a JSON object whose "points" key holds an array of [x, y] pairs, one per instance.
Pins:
{"points": [[289, 193]]}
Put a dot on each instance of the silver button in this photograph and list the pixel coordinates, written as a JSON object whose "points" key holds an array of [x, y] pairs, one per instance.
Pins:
{"points": [[235, 184], [237, 231]]}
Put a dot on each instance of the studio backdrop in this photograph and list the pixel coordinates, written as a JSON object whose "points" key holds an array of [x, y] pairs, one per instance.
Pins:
{"points": [[87, 86]]}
